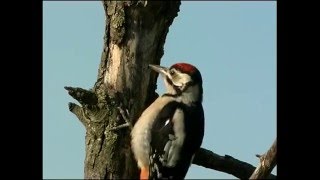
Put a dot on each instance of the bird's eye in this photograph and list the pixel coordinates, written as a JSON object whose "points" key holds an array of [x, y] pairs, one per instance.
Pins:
{"points": [[172, 72]]}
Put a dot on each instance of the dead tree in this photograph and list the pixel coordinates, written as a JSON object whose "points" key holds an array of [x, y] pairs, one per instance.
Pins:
{"points": [[135, 33]]}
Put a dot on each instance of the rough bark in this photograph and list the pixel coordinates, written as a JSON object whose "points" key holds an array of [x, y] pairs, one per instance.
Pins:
{"points": [[267, 162], [135, 33]]}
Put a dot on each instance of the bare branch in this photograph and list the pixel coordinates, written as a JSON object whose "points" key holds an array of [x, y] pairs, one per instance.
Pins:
{"points": [[267, 162], [78, 111], [84, 97], [227, 164]]}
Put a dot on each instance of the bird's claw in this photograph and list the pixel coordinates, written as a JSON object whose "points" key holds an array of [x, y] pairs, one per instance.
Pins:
{"points": [[126, 118]]}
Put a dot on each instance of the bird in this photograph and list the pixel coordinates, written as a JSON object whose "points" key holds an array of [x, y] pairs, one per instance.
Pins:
{"points": [[170, 130]]}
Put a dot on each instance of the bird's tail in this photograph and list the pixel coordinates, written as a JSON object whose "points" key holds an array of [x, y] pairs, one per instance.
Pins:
{"points": [[144, 173]]}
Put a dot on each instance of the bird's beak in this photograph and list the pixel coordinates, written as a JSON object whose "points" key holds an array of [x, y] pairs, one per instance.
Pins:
{"points": [[161, 70]]}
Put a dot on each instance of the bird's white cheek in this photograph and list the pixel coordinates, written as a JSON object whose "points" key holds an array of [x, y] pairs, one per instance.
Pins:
{"points": [[177, 84]]}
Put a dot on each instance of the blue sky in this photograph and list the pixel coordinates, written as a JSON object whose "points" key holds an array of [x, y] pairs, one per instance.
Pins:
{"points": [[232, 43]]}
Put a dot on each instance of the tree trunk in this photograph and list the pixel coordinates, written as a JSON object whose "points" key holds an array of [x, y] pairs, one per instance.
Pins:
{"points": [[135, 33]]}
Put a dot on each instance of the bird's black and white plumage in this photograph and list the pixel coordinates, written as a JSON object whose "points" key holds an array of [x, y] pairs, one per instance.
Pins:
{"points": [[170, 131]]}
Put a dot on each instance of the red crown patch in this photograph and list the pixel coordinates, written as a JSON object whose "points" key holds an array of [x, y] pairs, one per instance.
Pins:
{"points": [[185, 67]]}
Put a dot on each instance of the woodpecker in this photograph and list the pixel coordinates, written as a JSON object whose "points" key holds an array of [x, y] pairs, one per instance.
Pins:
{"points": [[169, 132]]}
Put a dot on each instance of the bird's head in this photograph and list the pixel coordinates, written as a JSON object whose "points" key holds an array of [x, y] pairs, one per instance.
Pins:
{"points": [[182, 79]]}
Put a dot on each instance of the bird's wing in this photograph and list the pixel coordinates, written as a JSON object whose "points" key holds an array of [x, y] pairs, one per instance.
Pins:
{"points": [[168, 136]]}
